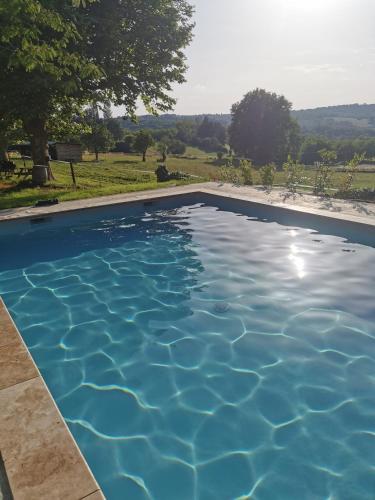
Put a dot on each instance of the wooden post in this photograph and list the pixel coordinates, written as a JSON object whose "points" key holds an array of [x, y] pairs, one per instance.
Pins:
{"points": [[72, 172]]}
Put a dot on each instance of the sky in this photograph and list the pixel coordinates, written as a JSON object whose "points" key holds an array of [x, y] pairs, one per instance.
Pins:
{"points": [[315, 52]]}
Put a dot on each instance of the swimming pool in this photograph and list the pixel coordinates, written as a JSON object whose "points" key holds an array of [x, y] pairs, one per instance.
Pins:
{"points": [[201, 348]]}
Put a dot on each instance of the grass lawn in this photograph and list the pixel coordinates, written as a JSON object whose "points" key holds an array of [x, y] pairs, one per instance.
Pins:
{"points": [[120, 173], [113, 174]]}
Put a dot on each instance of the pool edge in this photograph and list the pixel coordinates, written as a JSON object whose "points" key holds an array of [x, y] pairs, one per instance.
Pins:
{"points": [[15, 467], [42, 460], [209, 188]]}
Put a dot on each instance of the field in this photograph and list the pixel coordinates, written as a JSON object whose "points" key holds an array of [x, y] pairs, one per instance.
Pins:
{"points": [[120, 173]]}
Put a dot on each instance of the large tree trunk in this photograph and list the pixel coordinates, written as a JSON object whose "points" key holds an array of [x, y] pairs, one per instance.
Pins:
{"points": [[144, 156], [96, 154], [37, 129]]}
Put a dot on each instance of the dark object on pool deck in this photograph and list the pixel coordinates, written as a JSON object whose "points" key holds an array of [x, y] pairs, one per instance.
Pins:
{"points": [[46, 203], [163, 175]]}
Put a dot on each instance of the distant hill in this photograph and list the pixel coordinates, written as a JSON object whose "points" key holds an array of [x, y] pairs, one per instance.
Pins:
{"points": [[338, 122], [335, 122]]}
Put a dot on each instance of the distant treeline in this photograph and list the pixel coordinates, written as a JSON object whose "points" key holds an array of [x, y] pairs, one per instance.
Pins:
{"points": [[166, 121], [335, 122], [204, 133], [171, 134], [344, 148]]}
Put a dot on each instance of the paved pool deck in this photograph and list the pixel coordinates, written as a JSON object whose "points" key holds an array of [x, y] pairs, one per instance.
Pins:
{"points": [[41, 458], [354, 211]]}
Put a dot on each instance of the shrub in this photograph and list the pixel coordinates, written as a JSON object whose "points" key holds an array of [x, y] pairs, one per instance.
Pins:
{"points": [[267, 175], [324, 173], [247, 172], [294, 172], [350, 173], [177, 147], [229, 173]]}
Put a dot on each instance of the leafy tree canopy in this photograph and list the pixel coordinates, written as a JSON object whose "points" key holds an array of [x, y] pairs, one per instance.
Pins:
{"points": [[262, 127], [58, 54], [143, 140]]}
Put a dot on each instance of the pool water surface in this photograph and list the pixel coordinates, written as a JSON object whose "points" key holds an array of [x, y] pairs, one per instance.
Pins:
{"points": [[203, 352]]}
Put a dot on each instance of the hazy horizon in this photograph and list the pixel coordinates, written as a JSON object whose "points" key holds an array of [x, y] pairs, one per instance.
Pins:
{"points": [[315, 52]]}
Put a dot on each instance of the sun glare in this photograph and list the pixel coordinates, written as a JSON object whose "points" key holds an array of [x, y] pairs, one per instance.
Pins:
{"points": [[309, 5]]}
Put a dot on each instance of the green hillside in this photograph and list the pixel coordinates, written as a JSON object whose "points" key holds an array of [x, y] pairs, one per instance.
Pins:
{"points": [[338, 122], [334, 122]]}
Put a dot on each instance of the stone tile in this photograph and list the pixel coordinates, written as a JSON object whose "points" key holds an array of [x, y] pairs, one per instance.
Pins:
{"points": [[15, 365], [8, 332], [41, 458]]}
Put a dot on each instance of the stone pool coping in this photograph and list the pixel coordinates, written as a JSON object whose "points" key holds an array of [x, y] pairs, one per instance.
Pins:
{"points": [[351, 211], [40, 455], [41, 458]]}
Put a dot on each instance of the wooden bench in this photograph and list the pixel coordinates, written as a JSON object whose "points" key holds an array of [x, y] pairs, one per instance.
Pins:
{"points": [[24, 172]]}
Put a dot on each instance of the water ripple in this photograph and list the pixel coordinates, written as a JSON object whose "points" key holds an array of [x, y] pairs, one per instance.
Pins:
{"points": [[198, 353]]}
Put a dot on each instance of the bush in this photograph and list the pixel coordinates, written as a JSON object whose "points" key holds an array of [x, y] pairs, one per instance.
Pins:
{"points": [[229, 173], [208, 144], [247, 172], [324, 173], [267, 175], [176, 147], [294, 172], [350, 173]]}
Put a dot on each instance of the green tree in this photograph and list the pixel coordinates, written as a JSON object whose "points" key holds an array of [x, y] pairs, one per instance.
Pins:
{"points": [[126, 145], [310, 149], [115, 128], [210, 128], [186, 131], [176, 147], [163, 150], [98, 138], [64, 54], [143, 141], [261, 127]]}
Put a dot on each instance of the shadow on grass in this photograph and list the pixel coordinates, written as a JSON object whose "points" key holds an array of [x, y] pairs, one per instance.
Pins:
{"points": [[15, 188], [25, 194], [126, 162]]}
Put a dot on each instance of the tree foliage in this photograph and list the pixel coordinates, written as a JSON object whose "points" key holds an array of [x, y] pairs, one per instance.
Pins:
{"points": [[262, 127], [143, 141], [57, 55], [211, 128], [98, 138]]}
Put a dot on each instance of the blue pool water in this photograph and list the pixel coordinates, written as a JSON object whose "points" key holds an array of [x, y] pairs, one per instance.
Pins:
{"points": [[211, 351]]}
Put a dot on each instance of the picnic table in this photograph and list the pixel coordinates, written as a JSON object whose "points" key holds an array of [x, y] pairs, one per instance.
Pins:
{"points": [[7, 169], [23, 172]]}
